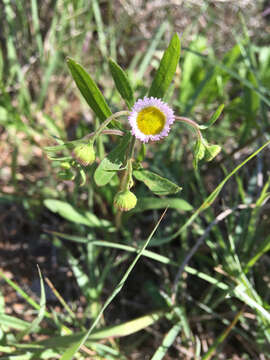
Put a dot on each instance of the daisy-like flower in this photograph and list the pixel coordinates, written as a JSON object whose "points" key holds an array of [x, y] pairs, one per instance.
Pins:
{"points": [[150, 119]]}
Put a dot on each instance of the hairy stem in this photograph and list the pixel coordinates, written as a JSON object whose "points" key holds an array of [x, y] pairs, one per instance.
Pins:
{"points": [[106, 123], [191, 123]]}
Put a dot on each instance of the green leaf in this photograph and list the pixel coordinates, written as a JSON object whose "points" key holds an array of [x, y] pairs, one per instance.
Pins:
{"points": [[199, 151], [89, 90], [13, 323], [129, 327], [167, 68], [263, 248], [122, 83], [153, 203], [41, 312], [112, 163], [68, 212], [167, 342], [211, 151], [213, 118], [124, 329], [157, 184]]}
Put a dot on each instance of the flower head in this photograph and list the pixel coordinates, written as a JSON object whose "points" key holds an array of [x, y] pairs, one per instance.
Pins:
{"points": [[125, 200], [150, 119], [84, 154]]}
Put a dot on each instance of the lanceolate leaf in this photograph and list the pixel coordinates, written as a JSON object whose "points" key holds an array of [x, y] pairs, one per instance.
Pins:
{"points": [[157, 184], [89, 90], [167, 68], [213, 118], [112, 163], [70, 213], [122, 83]]}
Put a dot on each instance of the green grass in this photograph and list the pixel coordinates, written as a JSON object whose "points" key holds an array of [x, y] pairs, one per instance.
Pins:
{"points": [[198, 286]]}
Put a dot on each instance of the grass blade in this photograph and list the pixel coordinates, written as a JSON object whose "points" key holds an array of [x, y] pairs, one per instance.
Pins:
{"points": [[152, 47], [34, 9], [13, 323], [210, 199], [23, 294], [222, 337], [41, 312], [167, 342], [70, 352]]}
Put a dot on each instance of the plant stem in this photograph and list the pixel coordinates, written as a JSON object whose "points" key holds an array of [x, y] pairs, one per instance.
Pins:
{"points": [[107, 121], [191, 123], [126, 180], [106, 132]]}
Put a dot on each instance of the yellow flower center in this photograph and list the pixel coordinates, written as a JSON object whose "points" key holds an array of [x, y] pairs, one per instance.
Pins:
{"points": [[151, 120]]}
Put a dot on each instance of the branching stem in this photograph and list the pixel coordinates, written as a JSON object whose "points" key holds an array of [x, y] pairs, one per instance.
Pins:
{"points": [[106, 123]]}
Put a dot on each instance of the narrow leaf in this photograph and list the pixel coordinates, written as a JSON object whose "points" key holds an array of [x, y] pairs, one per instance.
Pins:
{"points": [[222, 336], [12, 322], [69, 213], [89, 90], [157, 184], [41, 312], [263, 248], [122, 83], [124, 329], [167, 68], [213, 118], [129, 327], [167, 342]]}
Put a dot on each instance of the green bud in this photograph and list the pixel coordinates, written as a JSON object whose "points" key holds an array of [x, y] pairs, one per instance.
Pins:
{"points": [[84, 154], [66, 175], [211, 151], [125, 200], [65, 165]]}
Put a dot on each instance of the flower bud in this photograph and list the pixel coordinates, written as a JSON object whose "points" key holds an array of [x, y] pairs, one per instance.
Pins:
{"points": [[84, 154], [66, 175], [125, 200], [65, 165]]}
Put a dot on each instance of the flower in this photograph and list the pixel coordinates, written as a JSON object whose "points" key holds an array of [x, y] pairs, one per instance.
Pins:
{"points": [[150, 119], [125, 200], [84, 154]]}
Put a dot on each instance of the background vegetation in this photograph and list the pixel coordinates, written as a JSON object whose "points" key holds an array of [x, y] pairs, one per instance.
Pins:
{"points": [[201, 289]]}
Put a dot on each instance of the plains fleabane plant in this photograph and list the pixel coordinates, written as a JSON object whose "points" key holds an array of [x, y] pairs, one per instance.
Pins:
{"points": [[147, 120]]}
